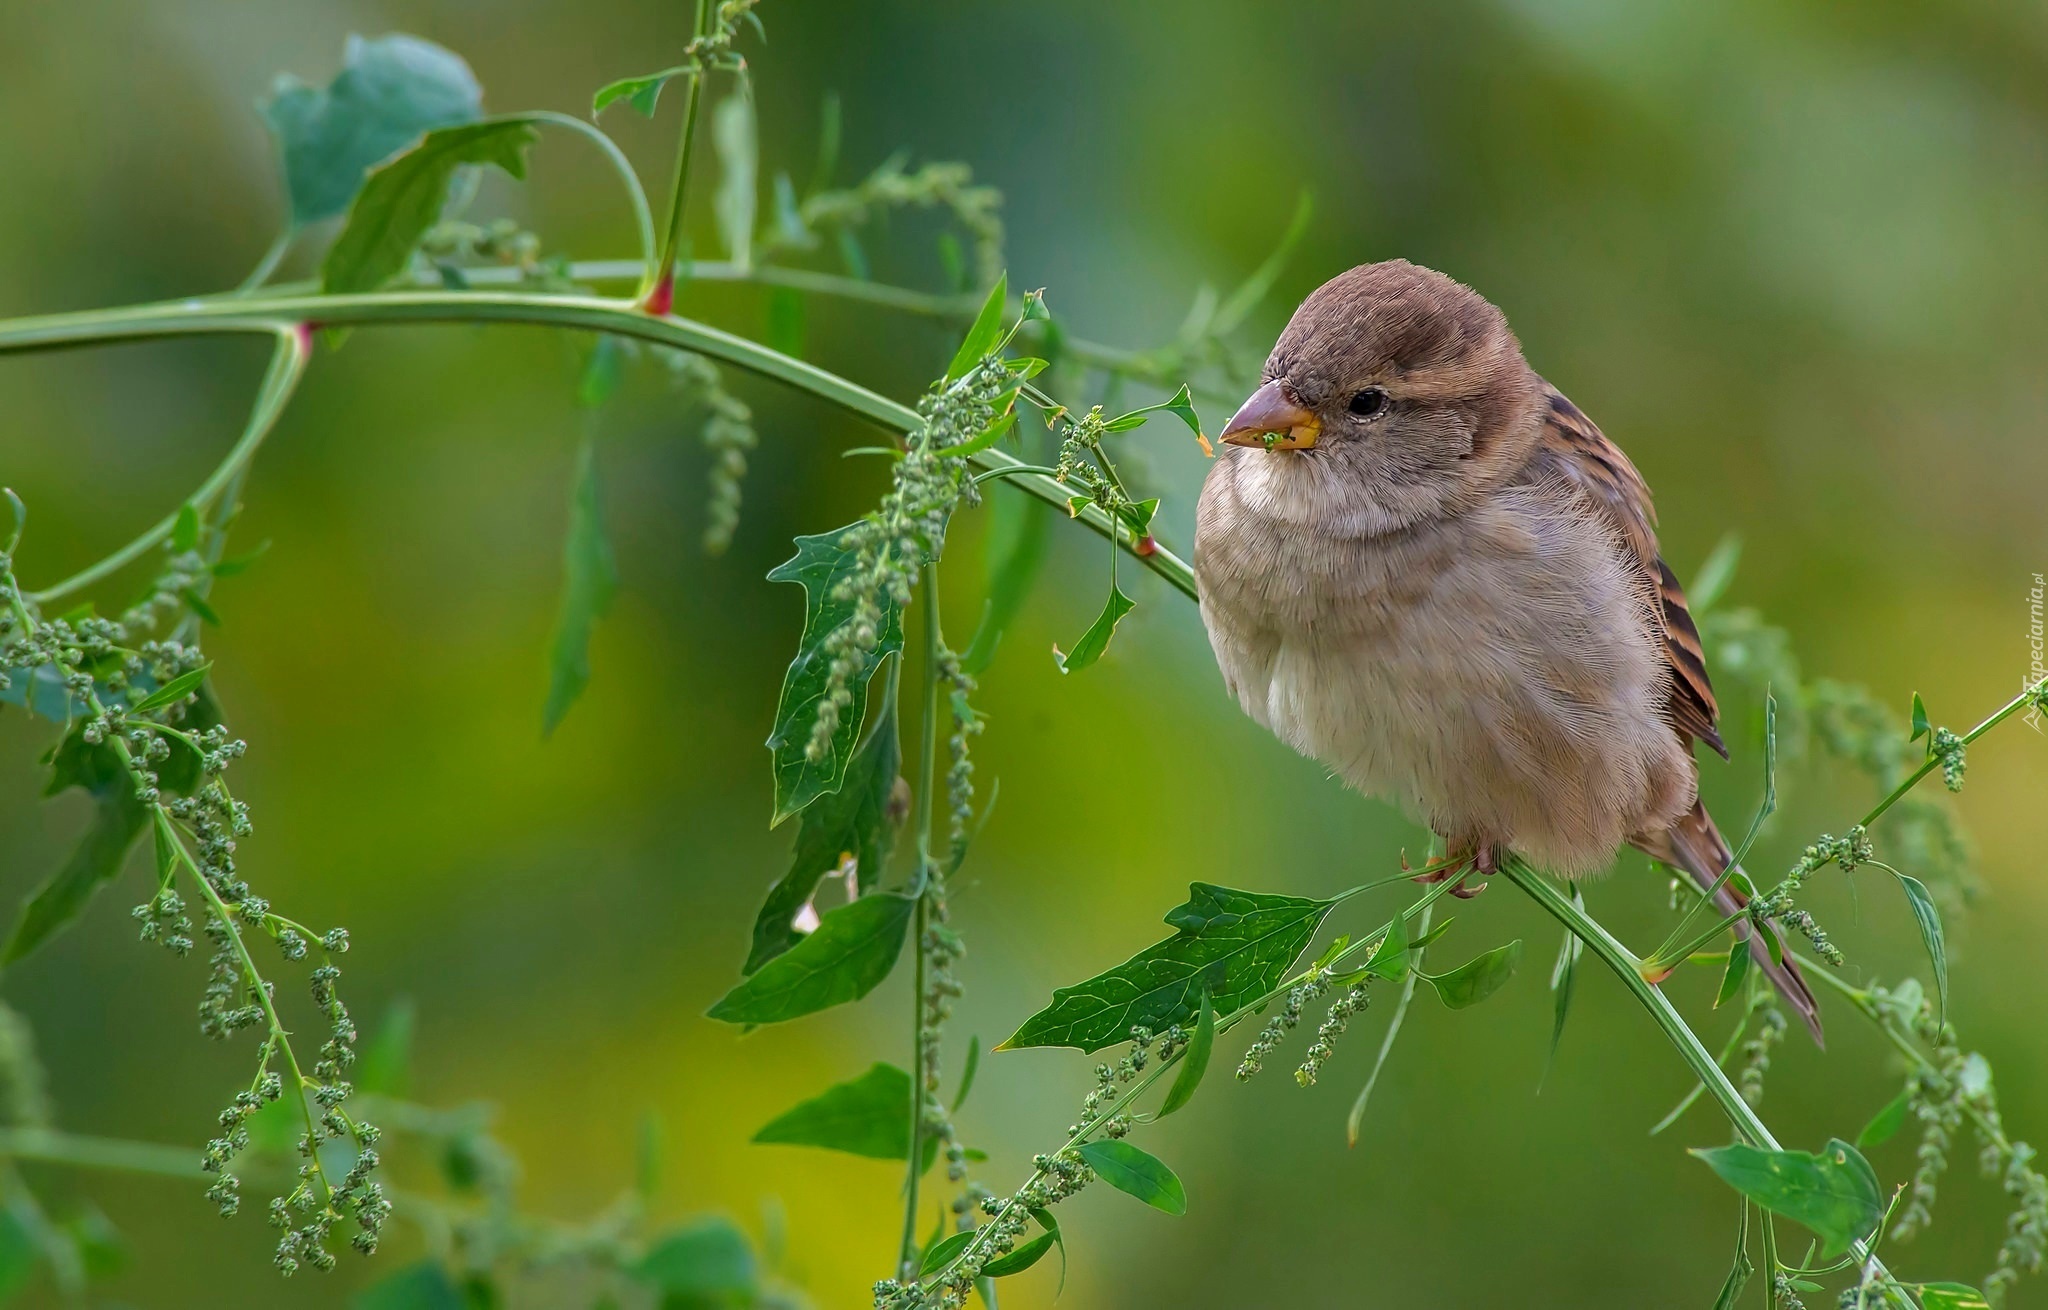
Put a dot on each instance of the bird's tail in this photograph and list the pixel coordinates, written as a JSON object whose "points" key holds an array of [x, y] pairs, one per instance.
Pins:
{"points": [[1695, 845]]}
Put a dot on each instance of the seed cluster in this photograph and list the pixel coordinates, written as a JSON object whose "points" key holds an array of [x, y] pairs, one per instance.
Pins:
{"points": [[1850, 852], [946, 186], [728, 435], [1276, 1028], [1756, 1052], [1950, 749], [1353, 1000]]}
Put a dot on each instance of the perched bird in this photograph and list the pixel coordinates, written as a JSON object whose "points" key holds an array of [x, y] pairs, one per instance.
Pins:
{"points": [[1423, 566]]}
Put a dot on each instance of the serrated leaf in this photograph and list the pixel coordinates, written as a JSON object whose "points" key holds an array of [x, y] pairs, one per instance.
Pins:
{"points": [[1194, 1062], [985, 333], [1951, 1296], [185, 529], [867, 1116], [1095, 641], [390, 90], [1236, 946], [1135, 1172], [706, 1263], [1885, 1124], [1834, 1192], [403, 198], [177, 689], [590, 578], [1928, 919], [738, 194], [852, 950], [1732, 978], [643, 93], [821, 564], [1920, 725], [852, 821], [1478, 978]]}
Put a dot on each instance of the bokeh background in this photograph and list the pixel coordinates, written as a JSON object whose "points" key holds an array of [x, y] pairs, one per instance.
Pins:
{"points": [[1790, 255]]}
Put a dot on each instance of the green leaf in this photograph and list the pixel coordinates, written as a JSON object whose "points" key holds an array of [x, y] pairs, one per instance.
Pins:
{"points": [[1195, 1062], [197, 604], [1732, 978], [643, 93], [1715, 572], [1095, 641], [1025, 1256], [1236, 946], [177, 689], [852, 950], [1389, 959], [852, 822], [1885, 1124], [1429, 938], [944, 1251], [1181, 405], [1478, 978], [20, 1252], [821, 564], [986, 333], [403, 199], [705, 1263], [185, 531], [1563, 976], [422, 1286], [239, 564], [1014, 551], [738, 194], [967, 1073], [1952, 1296], [786, 327], [1739, 1272], [1136, 1173], [1834, 1193], [1920, 725], [1929, 921], [602, 372], [590, 578], [385, 1066], [868, 1115], [390, 89]]}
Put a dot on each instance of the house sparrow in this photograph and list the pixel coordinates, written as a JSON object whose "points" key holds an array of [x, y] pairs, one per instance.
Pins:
{"points": [[1423, 566]]}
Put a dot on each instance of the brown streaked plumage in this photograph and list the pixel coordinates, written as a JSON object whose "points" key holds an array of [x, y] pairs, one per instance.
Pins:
{"points": [[1421, 564]]}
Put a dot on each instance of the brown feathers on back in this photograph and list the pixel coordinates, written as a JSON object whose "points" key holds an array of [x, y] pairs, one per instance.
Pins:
{"points": [[1574, 448]]}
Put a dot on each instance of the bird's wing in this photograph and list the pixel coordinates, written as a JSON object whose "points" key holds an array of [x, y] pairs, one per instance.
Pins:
{"points": [[1573, 448]]}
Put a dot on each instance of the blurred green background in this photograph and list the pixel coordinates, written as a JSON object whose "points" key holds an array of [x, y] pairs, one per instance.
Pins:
{"points": [[1791, 256]]}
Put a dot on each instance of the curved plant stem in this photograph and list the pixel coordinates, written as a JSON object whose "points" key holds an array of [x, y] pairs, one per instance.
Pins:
{"points": [[287, 366], [658, 289], [268, 264], [1626, 967], [643, 215], [261, 315]]}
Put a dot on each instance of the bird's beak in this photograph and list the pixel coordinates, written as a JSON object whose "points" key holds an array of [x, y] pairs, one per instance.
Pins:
{"points": [[1271, 419]]}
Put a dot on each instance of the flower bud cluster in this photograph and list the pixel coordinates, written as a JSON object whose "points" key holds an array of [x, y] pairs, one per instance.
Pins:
{"points": [[1756, 1052], [1353, 1000], [1276, 1029], [1057, 1177], [728, 436], [1951, 750]]}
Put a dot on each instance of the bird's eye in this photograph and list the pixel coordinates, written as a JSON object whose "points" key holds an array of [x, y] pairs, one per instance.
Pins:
{"points": [[1368, 403]]}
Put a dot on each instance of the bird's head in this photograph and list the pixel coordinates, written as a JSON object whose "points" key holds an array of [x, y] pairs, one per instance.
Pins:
{"points": [[1403, 388]]}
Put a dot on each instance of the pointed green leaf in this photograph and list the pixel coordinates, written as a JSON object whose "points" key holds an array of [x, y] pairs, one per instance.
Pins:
{"points": [[967, 1073], [1920, 725], [1563, 976], [821, 564], [238, 564], [643, 93], [1478, 978], [1732, 978], [1233, 945], [1929, 920], [185, 531], [738, 194], [1389, 959], [1835, 1192], [853, 949], [983, 337], [867, 1116], [590, 578], [403, 198], [851, 823], [1181, 405], [1710, 581], [390, 89], [1739, 1272], [177, 689], [1885, 1124], [1194, 1062], [1952, 1296], [117, 820], [1136, 1173], [1429, 938], [1017, 1261], [944, 1251], [1095, 641], [197, 604]]}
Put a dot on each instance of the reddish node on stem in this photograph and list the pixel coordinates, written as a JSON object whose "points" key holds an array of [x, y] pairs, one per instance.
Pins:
{"points": [[1146, 547], [663, 297], [305, 331]]}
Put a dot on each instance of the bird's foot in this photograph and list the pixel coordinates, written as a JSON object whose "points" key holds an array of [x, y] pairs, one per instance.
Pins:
{"points": [[1463, 861]]}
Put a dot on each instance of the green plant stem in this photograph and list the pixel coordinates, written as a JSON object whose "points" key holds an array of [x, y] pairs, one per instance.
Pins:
{"points": [[662, 274], [47, 1146], [287, 366], [1626, 967], [261, 315], [268, 264], [1932, 762], [643, 216]]}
